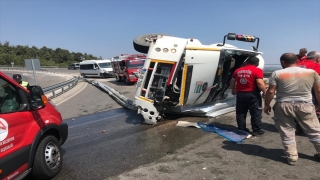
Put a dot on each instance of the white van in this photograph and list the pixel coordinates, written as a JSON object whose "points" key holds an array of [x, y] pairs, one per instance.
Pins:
{"points": [[96, 68]]}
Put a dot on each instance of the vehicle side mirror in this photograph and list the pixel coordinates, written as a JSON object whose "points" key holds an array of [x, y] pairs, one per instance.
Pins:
{"points": [[38, 99]]}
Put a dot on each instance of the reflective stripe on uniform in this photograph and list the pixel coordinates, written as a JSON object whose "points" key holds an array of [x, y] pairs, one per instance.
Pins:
{"points": [[315, 139], [288, 142], [24, 84]]}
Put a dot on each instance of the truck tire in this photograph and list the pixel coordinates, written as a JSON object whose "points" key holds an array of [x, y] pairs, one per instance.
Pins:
{"points": [[48, 158], [142, 43]]}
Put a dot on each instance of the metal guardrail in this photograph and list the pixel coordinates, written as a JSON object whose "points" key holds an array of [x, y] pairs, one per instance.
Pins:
{"points": [[58, 89]]}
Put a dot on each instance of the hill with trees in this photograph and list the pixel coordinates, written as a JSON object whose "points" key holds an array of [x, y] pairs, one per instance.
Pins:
{"points": [[47, 56]]}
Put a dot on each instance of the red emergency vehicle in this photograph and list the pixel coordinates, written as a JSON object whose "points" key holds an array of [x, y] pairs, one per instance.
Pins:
{"points": [[31, 132], [125, 67]]}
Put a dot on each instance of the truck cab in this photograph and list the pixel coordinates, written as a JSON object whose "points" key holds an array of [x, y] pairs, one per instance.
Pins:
{"points": [[183, 76], [31, 132], [126, 67]]}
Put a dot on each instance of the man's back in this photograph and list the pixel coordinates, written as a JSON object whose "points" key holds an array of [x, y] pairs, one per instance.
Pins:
{"points": [[294, 83], [246, 77]]}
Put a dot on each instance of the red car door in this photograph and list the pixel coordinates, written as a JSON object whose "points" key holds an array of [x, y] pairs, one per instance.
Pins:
{"points": [[17, 130]]}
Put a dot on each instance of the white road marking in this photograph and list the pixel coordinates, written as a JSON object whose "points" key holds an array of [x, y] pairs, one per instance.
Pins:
{"points": [[72, 95]]}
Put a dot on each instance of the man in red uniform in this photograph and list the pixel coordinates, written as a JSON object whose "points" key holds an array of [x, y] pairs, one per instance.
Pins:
{"points": [[312, 61], [313, 58], [301, 56], [246, 83]]}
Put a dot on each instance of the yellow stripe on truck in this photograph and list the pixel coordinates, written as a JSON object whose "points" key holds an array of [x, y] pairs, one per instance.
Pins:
{"points": [[202, 48], [183, 86], [145, 99], [162, 61]]}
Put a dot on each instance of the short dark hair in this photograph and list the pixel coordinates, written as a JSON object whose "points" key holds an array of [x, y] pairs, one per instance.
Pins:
{"points": [[253, 60], [304, 50], [16, 76], [289, 58]]}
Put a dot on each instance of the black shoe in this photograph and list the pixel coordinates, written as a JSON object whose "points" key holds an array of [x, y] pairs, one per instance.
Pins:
{"points": [[317, 156], [245, 129], [257, 133]]}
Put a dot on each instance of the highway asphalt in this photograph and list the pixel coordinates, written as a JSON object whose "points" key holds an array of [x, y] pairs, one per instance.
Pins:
{"points": [[107, 141]]}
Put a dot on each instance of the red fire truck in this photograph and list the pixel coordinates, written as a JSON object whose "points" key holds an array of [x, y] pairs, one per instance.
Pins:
{"points": [[125, 67]]}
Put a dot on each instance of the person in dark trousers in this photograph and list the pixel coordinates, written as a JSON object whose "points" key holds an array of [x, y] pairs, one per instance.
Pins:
{"points": [[244, 84], [18, 79]]}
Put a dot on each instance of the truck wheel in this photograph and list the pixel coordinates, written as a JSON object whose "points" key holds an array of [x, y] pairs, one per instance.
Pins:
{"points": [[101, 76], [48, 158], [142, 43]]}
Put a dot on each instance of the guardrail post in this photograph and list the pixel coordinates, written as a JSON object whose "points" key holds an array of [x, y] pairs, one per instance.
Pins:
{"points": [[62, 90], [53, 94]]}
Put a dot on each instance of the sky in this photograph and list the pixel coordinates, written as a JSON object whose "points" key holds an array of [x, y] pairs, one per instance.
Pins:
{"points": [[107, 28]]}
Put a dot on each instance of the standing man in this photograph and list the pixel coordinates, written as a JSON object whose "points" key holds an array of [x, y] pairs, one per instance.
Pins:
{"points": [[244, 82], [18, 79], [314, 56], [312, 62], [302, 56], [294, 102]]}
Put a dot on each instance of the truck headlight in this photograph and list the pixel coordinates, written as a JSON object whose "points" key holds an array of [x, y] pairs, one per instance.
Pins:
{"points": [[132, 76]]}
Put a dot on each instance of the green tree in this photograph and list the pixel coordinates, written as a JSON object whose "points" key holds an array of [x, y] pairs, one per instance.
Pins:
{"points": [[47, 56]]}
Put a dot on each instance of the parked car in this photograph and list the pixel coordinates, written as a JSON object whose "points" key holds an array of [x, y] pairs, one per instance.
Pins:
{"points": [[74, 66], [31, 132], [96, 68]]}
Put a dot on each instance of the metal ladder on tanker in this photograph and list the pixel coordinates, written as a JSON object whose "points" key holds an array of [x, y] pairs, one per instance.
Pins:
{"points": [[159, 82]]}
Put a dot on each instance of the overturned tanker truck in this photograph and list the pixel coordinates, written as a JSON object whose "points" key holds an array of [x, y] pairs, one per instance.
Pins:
{"points": [[183, 76]]}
